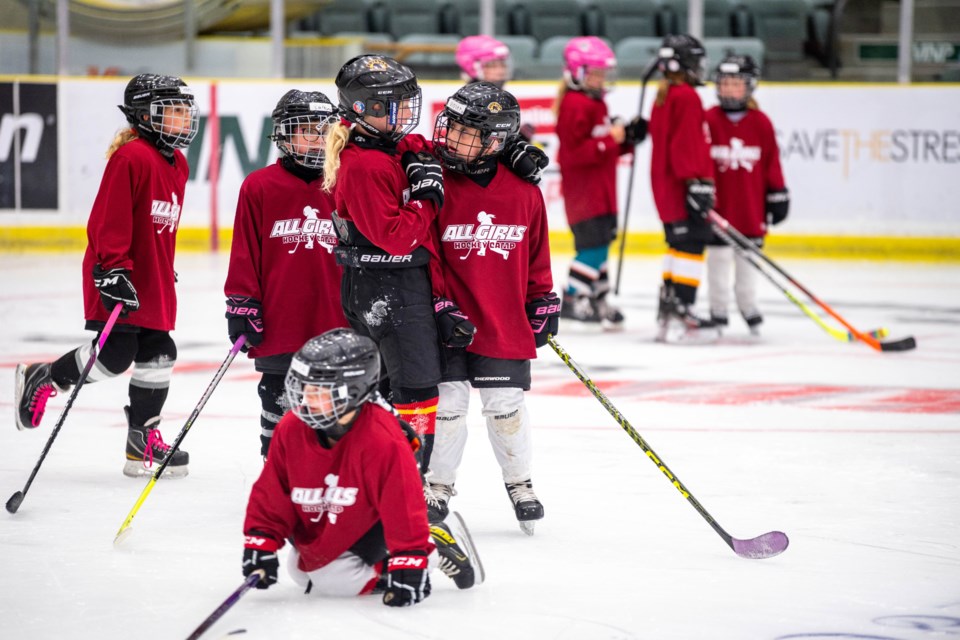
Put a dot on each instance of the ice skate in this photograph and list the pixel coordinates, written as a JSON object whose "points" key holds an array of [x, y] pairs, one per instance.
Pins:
{"points": [[753, 320], [579, 307], [437, 496], [611, 318], [681, 325], [458, 555], [145, 448], [526, 505], [33, 386]]}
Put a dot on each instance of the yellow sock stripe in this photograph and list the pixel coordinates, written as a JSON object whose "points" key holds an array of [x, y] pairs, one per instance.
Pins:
{"points": [[417, 410]]}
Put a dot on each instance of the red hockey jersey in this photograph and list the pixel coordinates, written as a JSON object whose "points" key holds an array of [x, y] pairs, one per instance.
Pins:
{"points": [[746, 162], [326, 499], [681, 150], [133, 225], [495, 256], [282, 255], [588, 157]]}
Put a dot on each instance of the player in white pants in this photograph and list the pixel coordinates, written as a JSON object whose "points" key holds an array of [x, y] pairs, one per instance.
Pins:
{"points": [[722, 263]]}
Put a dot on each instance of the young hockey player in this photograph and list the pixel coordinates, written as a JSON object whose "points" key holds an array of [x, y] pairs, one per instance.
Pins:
{"points": [[341, 484], [283, 242], [385, 207], [590, 148], [131, 236], [751, 193], [681, 174], [495, 256]]}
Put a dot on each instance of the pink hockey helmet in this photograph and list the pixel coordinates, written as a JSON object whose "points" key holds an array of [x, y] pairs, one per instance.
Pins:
{"points": [[587, 52], [475, 52]]}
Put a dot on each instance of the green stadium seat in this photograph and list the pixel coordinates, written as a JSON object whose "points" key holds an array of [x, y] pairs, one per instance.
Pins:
{"points": [[431, 59], [340, 16], [545, 19], [523, 49], [626, 18], [717, 17], [781, 24], [719, 48], [466, 17], [413, 16]]}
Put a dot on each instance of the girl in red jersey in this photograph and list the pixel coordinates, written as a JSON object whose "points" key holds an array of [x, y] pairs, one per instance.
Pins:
{"points": [[590, 147], [341, 483], [751, 193], [131, 236], [681, 174], [495, 258], [283, 242]]}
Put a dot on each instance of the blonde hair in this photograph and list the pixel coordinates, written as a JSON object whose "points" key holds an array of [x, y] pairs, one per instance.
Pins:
{"points": [[752, 104], [670, 78], [123, 137], [562, 91], [337, 139]]}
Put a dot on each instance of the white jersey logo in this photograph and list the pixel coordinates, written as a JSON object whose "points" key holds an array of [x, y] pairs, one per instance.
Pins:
{"points": [[330, 499], [166, 214], [306, 231], [735, 156], [498, 238]]}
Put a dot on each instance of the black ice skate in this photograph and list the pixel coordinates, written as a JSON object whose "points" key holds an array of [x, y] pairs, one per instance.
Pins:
{"points": [[458, 555], [680, 325], [437, 496], [145, 448], [753, 320], [610, 316], [579, 307], [525, 504], [33, 386]]}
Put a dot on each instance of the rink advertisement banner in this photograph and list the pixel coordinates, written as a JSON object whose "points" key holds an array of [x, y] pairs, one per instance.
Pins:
{"points": [[858, 159], [28, 146]]}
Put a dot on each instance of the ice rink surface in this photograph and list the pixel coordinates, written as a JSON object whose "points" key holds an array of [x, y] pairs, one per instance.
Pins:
{"points": [[853, 453]]}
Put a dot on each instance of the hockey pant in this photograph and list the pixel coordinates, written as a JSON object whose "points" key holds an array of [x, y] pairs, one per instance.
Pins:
{"points": [[721, 263], [508, 428], [346, 576]]}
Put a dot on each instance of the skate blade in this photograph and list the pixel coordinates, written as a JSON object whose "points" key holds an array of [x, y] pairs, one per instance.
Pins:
{"points": [[680, 334], [462, 535], [135, 469], [20, 379], [527, 526]]}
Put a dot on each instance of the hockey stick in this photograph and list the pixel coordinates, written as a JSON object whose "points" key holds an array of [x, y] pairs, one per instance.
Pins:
{"points": [[843, 336], [14, 502], [647, 74], [764, 546], [903, 344], [231, 600], [124, 530]]}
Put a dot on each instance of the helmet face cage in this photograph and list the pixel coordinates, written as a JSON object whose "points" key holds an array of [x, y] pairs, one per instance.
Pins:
{"points": [[319, 404], [174, 120], [474, 120], [742, 67], [303, 138]]}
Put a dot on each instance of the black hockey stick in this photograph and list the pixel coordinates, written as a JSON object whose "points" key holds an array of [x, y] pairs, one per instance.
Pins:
{"points": [[764, 546], [14, 502], [231, 600], [903, 344], [124, 530], [843, 336], [647, 74]]}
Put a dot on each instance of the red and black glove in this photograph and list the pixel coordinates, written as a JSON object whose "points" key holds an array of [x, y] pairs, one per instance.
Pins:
{"points": [[544, 316], [115, 288], [260, 554], [245, 318], [456, 330], [408, 579]]}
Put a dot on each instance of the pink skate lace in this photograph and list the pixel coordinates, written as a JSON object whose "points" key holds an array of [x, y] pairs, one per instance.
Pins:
{"points": [[154, 439], [39, 404]]}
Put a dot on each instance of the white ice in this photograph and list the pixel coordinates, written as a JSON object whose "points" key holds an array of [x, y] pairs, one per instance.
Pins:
{"points": [[854, 454]]}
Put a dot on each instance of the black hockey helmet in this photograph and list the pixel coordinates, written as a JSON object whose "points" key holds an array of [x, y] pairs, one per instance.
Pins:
{"points": [[378, 87], [495, 113], [682, 53], [740, 67], [145, 104], [330, 376], [309, 113]]}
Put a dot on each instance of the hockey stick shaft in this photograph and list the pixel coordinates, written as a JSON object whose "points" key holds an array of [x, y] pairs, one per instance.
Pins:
{"points": [[14, 502], [903, 344], [764, 546], [648, 73], [234, 350], [231, 600]]}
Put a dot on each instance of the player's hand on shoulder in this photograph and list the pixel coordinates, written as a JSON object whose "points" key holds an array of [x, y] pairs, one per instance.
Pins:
{"points": [[425, 176], [526, 160]]}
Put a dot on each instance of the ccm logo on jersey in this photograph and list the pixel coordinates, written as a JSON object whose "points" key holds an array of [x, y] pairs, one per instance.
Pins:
{"points": [[367, 257], [405, 562]]}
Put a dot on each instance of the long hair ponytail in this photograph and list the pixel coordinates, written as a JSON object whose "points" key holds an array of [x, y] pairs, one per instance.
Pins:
{"points": [[336, 141], [123, 137]]}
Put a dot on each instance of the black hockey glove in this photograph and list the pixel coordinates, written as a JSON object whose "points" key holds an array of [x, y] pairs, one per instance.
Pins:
{"points": [[456, 330], [408, 579], [244, 318], [425, 176], [544, 316], [260, 554], [526, 160], [700, 196], [115, 287], [778, 204], [636, 131]]}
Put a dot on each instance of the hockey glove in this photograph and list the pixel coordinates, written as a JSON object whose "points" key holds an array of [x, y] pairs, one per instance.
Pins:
{"points": [[526, 160], [699, 199], [636, 131], [115, 288], [778, 204], [408, 579], [244, 318], [260, 553], [456, 330], [425, 176], [544, 316]]}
